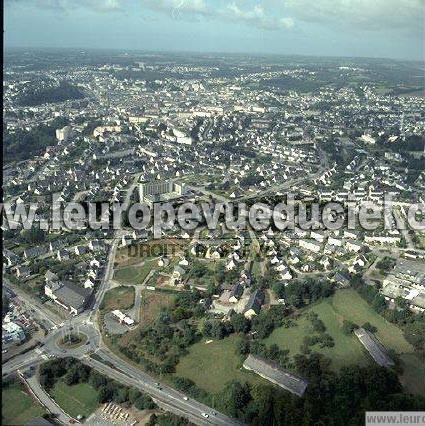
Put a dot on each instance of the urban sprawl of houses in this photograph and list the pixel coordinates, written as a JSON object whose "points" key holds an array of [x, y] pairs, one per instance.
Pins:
{"points": [[150, 130]]}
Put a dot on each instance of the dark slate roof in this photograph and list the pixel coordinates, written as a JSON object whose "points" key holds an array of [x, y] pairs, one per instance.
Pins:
{"points": [[374, 347], [73, 295], [276, 374], [35, 251], [236, 291], [255, 301]]}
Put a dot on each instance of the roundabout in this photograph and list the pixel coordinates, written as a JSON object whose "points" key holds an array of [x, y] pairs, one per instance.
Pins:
{"points": [[72, 340]]}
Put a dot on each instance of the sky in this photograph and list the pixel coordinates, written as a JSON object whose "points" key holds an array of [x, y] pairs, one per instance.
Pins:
{"points": [[367, 28]]}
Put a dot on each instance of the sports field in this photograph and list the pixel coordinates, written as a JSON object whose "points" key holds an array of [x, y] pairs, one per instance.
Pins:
{"points": [[80, 399]]}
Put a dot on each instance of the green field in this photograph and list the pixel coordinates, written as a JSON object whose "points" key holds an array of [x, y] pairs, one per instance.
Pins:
{"points": [[214, 364], [118, 298], [134, 274], [347, 349], [348, 305], [80, 399], [18, 408], [413, 377], [344, 305]]}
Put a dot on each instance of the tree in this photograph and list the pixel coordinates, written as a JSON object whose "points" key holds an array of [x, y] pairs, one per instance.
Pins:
{"points": [[240, 323], [71, 377], [264, 398], [105, 394], [97, 380], [379, 303], [369, 327], [133, 394], [120, 394], [348, 327], [234, 397]]}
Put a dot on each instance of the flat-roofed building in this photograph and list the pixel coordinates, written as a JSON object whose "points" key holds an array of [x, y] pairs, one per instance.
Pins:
{"points": [[276, 374], [155, 191]]}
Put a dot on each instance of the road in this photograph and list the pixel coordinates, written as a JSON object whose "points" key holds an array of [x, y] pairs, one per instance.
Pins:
{"points": [[128, 374], [401, 223], [165, 396], [34, 305], [104, 285], [22, 362], [48, 402]]}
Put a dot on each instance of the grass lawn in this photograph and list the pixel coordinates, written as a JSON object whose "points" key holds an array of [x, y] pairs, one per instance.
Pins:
{"points": [[148, 251], [413, 377], [347, 304], [118, 298], [134, 274], [214, 364], [347, 350], [80, 399], [344, 305], [18, 408]]}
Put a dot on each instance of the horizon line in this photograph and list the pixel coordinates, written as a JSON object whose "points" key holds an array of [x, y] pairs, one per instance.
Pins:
{"points": [[209, 52]]}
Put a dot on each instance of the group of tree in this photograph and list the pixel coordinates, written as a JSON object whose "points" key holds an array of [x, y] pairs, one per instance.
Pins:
{"points": [[158, 346], [386, 264], [330, 398], [167, 419], [266, 321], [270, 352], [24, 144], [72, 371], [60, 93], [299, 293]]}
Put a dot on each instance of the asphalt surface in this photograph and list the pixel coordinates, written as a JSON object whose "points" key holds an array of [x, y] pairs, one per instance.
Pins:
{"points": [[124, 372], [162, 394], [45, 399]]}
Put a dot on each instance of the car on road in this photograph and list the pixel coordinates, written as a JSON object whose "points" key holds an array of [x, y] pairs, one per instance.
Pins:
{"points": [[4, 351], [213, 413], [205, 415], [88, 342], [186, 398]]}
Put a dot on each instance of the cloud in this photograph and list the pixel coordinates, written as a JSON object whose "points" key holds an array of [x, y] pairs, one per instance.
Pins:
{"points": [[373, 15], [189, 7], [271, 15], [66, 5], [257, 17], [235, 11]]}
